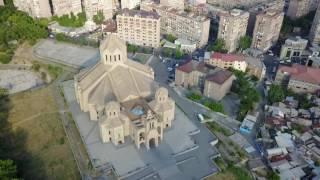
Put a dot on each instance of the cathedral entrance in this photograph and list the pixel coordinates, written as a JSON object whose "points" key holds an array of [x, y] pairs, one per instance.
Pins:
{"points": [[152, 143]]}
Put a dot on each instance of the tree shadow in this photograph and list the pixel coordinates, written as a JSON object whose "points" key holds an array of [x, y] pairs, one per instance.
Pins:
{"points": [[13, 145]]}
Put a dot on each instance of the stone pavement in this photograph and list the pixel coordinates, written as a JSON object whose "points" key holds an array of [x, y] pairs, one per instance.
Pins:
{"points": [[67, 54], [183, 147]]}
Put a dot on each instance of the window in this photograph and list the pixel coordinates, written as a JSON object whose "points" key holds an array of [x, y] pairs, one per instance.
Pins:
{"points": [[119, 57]]}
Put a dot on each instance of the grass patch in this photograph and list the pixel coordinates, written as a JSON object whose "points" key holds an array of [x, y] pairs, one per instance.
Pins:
{"points": [[36, 113], [214, 106], [232, 173], [54, 71], [194, 96], [215, 127]]}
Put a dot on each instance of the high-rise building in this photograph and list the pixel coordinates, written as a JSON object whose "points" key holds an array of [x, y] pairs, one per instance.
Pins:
{"points": [[35, 8], [314, 36], [314, 4], [62, 7], [298, 8], [184, 25], [267, 29], [92, 7], [232, 26], [178, 4], [139, 27], [130, 4]]}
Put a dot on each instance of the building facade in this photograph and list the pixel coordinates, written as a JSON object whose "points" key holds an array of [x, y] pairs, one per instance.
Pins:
{"points": [[267, 29], [62, 7], [139, 27], [217, 85], [293, 48], [298, 8], [299, 78], [185, 25], [178, 4], [35, 8], [225, 61], [1, 3], [92, 7], [122, 97], [130, 4], [233, 26], [314, 35]]}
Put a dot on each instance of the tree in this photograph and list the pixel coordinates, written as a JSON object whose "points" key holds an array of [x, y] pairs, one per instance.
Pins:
{"points": [[244, 42], [171, 38], [178, 54], [8, 170], [273, 176], [218, 46], [99, 18], [276, 94]]}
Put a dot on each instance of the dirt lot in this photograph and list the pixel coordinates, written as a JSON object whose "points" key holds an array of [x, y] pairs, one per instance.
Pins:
{"points": [[35, 112]]}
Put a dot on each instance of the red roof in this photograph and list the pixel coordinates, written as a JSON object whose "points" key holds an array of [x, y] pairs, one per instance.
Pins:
{"points": [[227, 57], [219, 77], [302, 73], [187, 67]]}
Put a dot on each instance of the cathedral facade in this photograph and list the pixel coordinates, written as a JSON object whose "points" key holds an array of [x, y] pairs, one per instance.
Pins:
{"points": [[122, 96]]}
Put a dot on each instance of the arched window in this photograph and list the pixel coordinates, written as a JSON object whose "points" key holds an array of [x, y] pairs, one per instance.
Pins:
{"points": [[119, 57], [115, 58]]}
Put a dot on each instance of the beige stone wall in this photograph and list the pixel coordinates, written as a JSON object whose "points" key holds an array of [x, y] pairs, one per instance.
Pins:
{"points": [[217, 91]]}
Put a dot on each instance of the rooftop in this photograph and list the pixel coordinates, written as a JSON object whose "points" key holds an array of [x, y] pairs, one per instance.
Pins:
{"points": [[302, 73], [227, 57], [219, 77], [139, 13]]}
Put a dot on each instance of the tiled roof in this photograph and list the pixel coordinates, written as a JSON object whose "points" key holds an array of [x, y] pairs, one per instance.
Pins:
{"points": [[219, 77], [227, 57], [187, 67], [302, 73]]}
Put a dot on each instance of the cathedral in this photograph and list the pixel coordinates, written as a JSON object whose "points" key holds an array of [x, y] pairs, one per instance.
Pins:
{"points": [[122, 96]]}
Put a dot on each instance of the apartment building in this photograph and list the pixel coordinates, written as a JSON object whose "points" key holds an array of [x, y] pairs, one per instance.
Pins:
{"points": [[178, 4], [35, 8], [139, 27], [232, 26], [225, 61], [267, 29], [314, 35], [130, 4], [184, 25], [299, 78], [230, 4], [92, 7], [298, 8], [277, 5], [62, 7], [293, 47]]}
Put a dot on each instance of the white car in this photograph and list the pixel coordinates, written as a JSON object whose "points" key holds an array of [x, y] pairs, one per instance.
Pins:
{"points": [[200, 117], [170, 69]]}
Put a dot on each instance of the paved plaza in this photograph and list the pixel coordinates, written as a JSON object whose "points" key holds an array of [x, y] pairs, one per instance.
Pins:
{"points": [[68, 54], [19, 80], [184, 152]]}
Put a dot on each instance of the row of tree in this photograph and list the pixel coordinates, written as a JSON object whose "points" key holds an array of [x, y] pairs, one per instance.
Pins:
{"points": [[219, 44]]}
